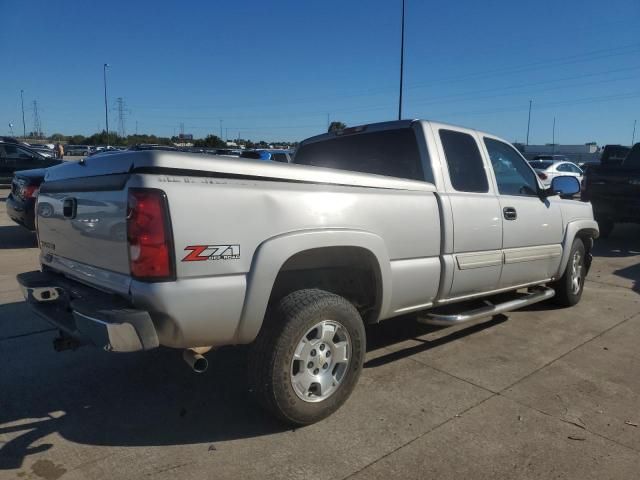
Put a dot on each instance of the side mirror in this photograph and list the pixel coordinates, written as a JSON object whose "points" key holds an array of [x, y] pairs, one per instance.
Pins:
{"points": [[565, 186]]}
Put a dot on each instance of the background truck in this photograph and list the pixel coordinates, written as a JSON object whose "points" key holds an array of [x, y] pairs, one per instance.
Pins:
{"points": [[370, 223], [613, 188]]}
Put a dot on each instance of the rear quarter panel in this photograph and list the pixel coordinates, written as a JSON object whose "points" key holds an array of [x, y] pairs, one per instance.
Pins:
{"points": [[258, 225]]}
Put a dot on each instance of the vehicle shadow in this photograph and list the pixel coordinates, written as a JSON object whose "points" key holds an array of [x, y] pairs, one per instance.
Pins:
{"points": [[405, 328], [15, 236], [624, 242], [145, 399]]}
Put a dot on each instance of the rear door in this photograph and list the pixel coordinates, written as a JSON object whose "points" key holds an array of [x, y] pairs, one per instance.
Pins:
{"points": [[532, 226], [477, 224]]}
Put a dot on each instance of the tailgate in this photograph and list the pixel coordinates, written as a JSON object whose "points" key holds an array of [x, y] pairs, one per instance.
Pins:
{"points": [[84, 220]]}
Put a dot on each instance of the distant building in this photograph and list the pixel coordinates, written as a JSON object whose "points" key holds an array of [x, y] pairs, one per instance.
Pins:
{"points": [[562, 149], [588, 152]]}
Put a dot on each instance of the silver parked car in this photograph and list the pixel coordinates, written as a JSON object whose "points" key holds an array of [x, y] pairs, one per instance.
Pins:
{"points": [[547, 170]]}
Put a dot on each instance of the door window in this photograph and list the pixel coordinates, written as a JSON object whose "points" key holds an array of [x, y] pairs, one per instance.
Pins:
{"points": [[466, 169], [575, 169], [279, 157], [24, 155], [513, 175]]}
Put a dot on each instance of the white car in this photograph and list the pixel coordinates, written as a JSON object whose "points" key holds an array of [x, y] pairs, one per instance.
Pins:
{"points": [[548, 169]]}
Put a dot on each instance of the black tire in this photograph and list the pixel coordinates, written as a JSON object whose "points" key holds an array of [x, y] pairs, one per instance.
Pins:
{"points": [[566, 294], [605, 226], [271, 355]]}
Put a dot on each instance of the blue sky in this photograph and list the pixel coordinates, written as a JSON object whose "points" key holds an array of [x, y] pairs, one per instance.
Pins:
{"points": [[276, 69]]}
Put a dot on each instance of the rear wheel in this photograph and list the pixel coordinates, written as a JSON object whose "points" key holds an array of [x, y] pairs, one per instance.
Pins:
{"points": [[308, 356], [569, 288]]}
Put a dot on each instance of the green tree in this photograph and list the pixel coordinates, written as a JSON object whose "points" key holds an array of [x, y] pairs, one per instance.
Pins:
{"points": [[210, 141], [335, 126]]}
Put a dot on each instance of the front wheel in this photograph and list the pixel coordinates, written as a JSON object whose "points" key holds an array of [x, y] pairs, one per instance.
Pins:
{"points": [[569, 288], [308, 356]]}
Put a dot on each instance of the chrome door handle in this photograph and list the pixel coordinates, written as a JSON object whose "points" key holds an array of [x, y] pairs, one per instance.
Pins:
{"points": [[509, 213]]}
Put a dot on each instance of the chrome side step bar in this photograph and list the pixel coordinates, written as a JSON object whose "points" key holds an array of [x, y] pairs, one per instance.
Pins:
{"points": [[538, 295]]}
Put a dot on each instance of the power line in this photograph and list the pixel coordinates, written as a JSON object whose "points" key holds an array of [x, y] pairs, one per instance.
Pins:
{"points": [[37, 127], [577, 58], [122, 115]]}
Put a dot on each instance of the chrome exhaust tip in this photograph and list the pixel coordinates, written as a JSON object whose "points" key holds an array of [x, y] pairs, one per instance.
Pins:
{"points": [[195, 360]]}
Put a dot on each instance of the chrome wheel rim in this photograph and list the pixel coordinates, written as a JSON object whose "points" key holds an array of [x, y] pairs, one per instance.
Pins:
{"points": [[576, 273], [320, 361]]}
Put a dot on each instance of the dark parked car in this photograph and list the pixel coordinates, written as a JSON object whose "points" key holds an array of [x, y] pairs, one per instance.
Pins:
{"points": [[613, 188], [614, 154], [22, 198], [14, 157]]}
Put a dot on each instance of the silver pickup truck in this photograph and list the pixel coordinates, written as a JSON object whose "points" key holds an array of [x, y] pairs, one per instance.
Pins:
{"points": [[147, 249]]}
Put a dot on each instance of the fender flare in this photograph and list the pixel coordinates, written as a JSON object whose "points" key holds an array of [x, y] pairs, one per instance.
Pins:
{"points": [[272, 254], [573, 228]]}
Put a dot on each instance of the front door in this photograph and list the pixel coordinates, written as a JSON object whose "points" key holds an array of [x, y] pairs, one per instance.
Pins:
{"points": [[531, 225]]}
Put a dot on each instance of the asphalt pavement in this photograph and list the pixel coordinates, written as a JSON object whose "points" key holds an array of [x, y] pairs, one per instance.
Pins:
{"points": [[540, 393]]}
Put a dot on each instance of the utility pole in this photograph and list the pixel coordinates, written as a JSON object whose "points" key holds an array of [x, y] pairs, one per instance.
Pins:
{"points": [[401, 65], [24, 127], [633, 137], [529, 122], [226, 134], [36, 120], [106, 110], [553, 141], [220, 129]]}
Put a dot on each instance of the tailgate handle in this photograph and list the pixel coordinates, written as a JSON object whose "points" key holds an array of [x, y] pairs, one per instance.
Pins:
{"points": [[69, 207]]}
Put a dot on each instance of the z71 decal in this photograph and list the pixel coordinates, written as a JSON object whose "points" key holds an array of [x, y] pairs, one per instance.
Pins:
{"points": [[199, 253]]}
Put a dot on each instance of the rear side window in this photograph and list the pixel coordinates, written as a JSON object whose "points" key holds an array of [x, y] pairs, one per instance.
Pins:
{"points": [[466, 169], [388, 152], [279, 157]]}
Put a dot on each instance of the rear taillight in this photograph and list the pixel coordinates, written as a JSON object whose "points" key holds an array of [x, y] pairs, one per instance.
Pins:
{"points": [[149, 235], [30, 191], [542, 176]]}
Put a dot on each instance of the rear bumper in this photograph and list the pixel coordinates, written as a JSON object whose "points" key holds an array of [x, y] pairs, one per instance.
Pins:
{"points": [[88, 315], [23, 213]]}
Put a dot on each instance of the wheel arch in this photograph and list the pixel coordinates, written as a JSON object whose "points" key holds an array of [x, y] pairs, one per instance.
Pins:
{"points": [[587, 231], [276, 253]]}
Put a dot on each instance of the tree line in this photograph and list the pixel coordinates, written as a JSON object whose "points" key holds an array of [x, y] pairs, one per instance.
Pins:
{"points": [[210, 141]]}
